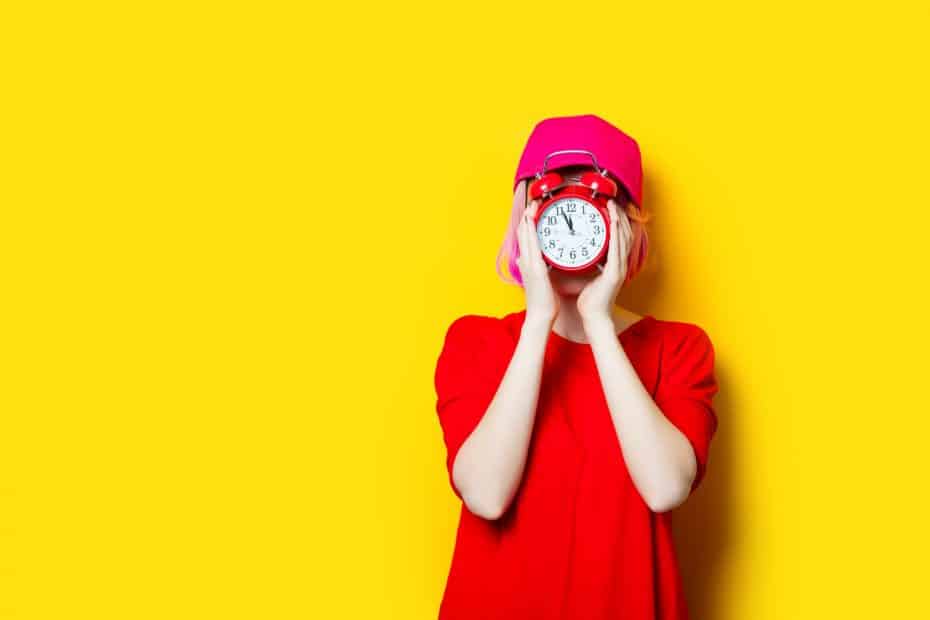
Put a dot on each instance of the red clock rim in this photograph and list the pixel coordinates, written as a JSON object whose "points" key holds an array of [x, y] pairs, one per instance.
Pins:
{"points": [[599, 203]]}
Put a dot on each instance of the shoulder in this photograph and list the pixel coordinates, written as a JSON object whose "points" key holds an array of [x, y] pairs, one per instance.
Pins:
{"points": [[471, 325], [680, 338], [482, 329], [474, 345]]}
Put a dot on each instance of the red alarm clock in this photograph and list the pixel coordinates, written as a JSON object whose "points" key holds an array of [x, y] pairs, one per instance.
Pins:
{"points": [[573, 223]]}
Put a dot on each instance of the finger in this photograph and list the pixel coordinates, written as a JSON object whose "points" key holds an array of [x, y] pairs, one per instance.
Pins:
{"points": [[532, 235], [627, 235], [613, 246], [530, 217], [621, 241], [621, 226], [532, 208], [627, 229], [521, 240]]}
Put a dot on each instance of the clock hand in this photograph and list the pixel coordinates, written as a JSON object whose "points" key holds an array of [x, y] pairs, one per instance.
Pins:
{"points": [[568, 221]]}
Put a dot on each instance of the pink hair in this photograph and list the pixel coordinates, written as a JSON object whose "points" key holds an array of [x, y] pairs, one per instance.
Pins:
{"points": [[510, 248]]}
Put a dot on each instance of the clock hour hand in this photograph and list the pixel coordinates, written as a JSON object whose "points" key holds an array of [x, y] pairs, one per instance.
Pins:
{"points": [[569, 222]]}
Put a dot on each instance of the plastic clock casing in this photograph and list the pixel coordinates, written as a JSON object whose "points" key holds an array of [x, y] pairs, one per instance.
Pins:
{"points": [[599, 202]]}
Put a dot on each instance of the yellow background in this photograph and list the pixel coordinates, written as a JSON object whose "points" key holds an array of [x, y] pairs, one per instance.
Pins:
{"points": [[233, 235]]}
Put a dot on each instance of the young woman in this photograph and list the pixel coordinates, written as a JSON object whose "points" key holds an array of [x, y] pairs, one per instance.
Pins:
{"points": [[573, 427]]}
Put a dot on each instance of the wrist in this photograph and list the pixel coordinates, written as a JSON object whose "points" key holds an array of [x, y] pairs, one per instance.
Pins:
{"points": [[538, 322], [596, 320], [598, 327]]}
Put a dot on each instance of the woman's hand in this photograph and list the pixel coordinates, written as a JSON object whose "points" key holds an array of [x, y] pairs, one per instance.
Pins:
{"points": [[597, 297], [542, 302]]}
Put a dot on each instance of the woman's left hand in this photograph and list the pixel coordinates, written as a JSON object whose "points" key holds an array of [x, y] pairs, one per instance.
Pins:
{"points": [[596, 298]]}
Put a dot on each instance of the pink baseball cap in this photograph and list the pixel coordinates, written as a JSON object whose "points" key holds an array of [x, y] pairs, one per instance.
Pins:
{"points": [[615, 151]]}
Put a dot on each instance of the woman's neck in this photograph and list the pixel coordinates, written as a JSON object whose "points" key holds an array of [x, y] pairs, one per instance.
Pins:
{"points": [[569, 325]]}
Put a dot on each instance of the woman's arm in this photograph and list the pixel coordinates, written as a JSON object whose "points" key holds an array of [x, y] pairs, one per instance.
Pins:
{"points": [[489, 464], [659, 457]]}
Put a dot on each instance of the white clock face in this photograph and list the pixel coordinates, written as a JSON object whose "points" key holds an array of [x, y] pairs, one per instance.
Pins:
{"points": [[571, 232]]}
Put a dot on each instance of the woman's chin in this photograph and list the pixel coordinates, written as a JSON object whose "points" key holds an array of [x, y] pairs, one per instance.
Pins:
{"points": [[570, 285], [568, 291]]}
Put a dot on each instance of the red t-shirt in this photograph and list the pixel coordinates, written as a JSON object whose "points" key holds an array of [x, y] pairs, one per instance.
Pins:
{"points": [[578, 541]]}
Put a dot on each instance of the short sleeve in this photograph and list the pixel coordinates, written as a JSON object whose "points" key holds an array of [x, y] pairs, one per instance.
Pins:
{"points": [[468, 372], [687, 385]]}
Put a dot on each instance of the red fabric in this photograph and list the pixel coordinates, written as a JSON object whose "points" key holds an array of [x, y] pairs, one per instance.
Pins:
{"points": [[577, 541]]}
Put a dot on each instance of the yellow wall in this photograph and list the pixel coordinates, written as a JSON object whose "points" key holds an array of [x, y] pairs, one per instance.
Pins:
{"points": [[232, 237]]}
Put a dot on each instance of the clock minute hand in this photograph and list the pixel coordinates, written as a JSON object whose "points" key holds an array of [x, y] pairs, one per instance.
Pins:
{"points": [[569, 222]]}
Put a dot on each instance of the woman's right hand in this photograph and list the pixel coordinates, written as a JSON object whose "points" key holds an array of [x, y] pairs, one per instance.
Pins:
{"points": [[542, 302]]}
